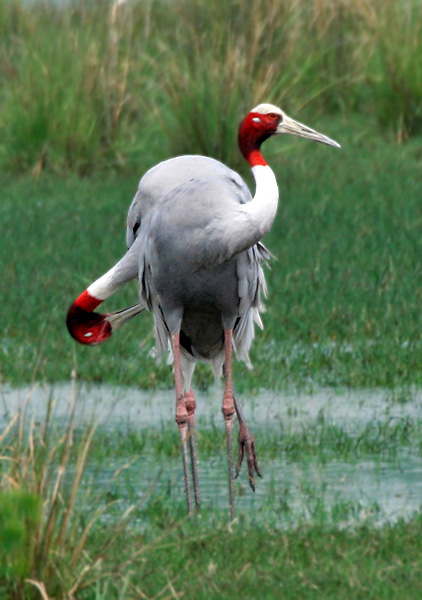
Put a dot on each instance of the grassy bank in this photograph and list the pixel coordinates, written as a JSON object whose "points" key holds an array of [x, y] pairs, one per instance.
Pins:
{"points": [[344, 288], [247, 561], [78, 521], [311, 562]]}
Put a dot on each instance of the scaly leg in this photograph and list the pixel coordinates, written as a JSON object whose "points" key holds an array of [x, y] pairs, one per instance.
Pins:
{"points": [[190, 404], [181, 414], [228, 412], [246, 444]]}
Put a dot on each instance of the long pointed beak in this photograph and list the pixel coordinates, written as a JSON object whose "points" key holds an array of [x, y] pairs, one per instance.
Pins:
{"points": [[293, 127], [119, 318]]}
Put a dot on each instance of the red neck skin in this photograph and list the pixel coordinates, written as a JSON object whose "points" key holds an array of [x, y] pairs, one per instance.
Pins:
{"points": [[84, 325], [87, 302], [250, 138]]}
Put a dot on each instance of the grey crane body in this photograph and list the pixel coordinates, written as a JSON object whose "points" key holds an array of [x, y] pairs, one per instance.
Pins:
{"points": [[167, 177], [187, 280], [193, 237]]}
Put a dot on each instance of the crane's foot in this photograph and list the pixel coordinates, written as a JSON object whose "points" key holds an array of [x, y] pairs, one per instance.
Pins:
{"points": [[246, 446], [190, 404]]}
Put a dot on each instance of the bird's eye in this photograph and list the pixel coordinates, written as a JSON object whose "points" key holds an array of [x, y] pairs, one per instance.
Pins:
{"points": [[275, 116]]}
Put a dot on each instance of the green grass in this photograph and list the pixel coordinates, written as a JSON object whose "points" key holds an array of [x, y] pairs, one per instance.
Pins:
{"points": [[103, 535], [124, 89], [309, 562], [344, 288], [252, 561], [314, 439]]}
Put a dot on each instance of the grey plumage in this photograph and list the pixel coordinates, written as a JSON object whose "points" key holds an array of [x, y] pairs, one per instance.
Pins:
{"points": [[193, 234], [189, 273]]}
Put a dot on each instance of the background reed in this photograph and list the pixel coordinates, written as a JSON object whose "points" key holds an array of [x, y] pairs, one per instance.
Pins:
{"points": [[95, 85]]}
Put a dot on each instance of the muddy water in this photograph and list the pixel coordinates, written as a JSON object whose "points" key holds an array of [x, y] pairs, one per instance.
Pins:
{"points": [[372, 487]]}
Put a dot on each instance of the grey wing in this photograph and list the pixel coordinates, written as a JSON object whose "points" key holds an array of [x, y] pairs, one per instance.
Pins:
{"points": [[176, 176], [203, 224], [147, 290], [251, 284]]}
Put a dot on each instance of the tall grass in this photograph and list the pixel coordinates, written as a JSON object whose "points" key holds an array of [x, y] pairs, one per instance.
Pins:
{"points": [[229, 57], [49, 513], [396, 67], [62, 100], [96, 84]]}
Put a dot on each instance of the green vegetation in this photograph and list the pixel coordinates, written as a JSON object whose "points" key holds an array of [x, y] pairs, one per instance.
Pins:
{"points": [[313, 440], [50, 550], [92, 86], [126, 88], [93, 94], [344, 289], [110, 537], [309, 562]]}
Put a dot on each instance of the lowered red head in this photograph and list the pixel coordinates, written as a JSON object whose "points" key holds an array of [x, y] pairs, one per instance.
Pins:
{"points": [[86, 326]]}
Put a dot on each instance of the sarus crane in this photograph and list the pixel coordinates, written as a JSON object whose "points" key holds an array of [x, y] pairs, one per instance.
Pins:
{"points": [[194, 242]]}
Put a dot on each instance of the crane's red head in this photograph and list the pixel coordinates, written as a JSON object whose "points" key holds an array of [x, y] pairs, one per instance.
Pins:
{"points": [[86, 326], [266, 120]]}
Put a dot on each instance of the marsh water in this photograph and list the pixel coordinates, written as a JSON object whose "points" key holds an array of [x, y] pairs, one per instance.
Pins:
{"points": [[380, 486]]}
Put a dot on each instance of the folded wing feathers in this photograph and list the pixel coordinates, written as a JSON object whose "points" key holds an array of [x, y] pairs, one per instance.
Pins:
{"points": [[251, 282]]}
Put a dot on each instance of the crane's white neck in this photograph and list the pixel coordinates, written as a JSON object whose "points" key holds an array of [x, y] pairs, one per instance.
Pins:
{"points": [[105, 285], [263, 206]]}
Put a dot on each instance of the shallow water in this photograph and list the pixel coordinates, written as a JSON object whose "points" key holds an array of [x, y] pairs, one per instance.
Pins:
{"points": [[118, 404], [376, 488]]}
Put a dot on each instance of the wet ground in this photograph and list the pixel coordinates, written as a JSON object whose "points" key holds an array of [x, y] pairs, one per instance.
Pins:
{"points": [[376, 487]]}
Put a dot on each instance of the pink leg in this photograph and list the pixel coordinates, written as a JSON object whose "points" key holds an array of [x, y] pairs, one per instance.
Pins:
{"points": [[228, 412], [190, 403], [182, 417]]}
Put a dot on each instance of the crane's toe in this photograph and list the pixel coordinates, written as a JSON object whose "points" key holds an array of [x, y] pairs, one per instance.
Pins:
{"points": [[247, 446]]}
